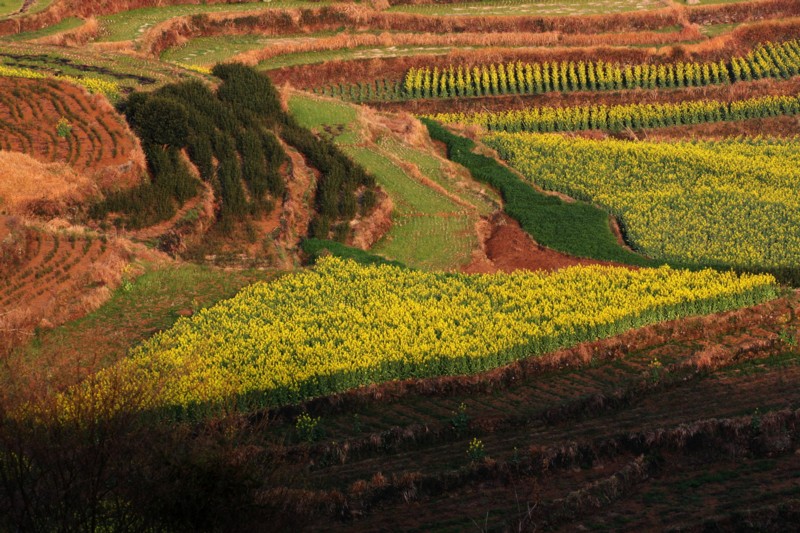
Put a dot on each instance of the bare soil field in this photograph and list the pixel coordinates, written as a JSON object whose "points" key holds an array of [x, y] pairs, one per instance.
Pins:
{"points": [[94, 140], [52, 277]]}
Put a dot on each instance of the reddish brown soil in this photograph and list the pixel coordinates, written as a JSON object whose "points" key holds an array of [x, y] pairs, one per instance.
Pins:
{"points": [[59, 278], [768, 127], [100, 145], [509, 248]]}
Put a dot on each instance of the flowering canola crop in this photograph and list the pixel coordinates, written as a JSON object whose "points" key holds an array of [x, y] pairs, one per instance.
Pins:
{"points": [[343, 325], [735, 203]]}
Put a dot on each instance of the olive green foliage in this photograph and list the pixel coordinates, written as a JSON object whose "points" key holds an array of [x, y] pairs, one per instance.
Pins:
{"points": [[316, 248], [232, 136], [579, 228]]}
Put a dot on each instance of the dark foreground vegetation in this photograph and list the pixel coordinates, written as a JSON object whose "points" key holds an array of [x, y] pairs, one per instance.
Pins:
{"points": [[641, 431]]}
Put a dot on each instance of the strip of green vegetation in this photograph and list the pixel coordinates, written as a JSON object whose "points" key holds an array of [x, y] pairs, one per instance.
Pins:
{"points": [[361, 52], [129, 25], [316, 248], [429, 229], [39, 6], [713, 30], [129, 72], [65, 25], [7, 7], [579, 229], [213, 50]]}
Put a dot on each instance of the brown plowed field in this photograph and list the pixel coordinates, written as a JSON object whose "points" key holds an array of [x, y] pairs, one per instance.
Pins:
{"points": [[617, 440], [99, 145], [58, 277]]}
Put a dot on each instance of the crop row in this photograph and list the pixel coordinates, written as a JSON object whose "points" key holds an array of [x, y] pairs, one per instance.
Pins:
{"points": [[343, 325], [93, 85], [621, 117], [768, 60], [727, 203]]}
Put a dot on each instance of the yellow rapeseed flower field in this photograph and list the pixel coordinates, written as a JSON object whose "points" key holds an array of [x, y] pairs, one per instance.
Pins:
{"points": [[733, 203], [93, 85], [342, 325]]}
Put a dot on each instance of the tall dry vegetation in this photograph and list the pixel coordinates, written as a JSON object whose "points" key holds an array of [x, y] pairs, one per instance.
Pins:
{"points": [[738, 42], [356, 17], [28, 186], [512, 39], [81, 35], [297, 21]]}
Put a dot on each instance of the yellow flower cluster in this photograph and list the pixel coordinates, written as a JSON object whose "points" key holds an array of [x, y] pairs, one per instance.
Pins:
{"points": [[733, 203], [620, 117], [196, 68], [93, 85], [343, 325]]}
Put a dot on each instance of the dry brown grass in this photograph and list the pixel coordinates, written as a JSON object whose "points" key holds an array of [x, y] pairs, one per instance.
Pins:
{"points": [[27, 185], [76, 37], [298, 21], [509, 39]]}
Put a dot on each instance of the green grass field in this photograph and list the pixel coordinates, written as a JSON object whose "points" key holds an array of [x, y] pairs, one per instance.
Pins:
{"points": [[7, 7], [212, 50], [39, 6], [430, 229], [485, 199], [713, 30], [367, 52], [66, 24]]}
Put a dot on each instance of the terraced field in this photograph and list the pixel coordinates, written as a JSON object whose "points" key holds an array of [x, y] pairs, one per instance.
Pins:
{"points": [[93, 139], [488, 264], [54, 277], [435, 211], [624, 423]]}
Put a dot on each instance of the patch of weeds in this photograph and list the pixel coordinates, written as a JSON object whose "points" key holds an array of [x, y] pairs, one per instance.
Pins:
{"points": [[308, 428], [476, 451], [63, 128], [460, 419], [788, 338]]}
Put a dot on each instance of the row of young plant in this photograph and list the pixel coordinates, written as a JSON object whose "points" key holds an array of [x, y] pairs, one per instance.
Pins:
{"points": [[725, 203], [232, 137], [344, 325], [379, 90], [631, 116], [769, 60]]}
